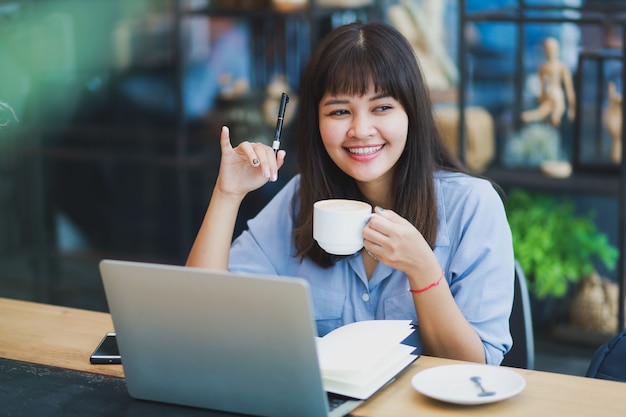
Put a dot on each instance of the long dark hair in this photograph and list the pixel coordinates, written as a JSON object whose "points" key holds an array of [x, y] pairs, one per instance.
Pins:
{"points": [[346, 61]]}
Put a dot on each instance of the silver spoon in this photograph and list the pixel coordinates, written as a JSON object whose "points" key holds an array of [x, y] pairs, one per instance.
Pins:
{"points": [[483, 393]]}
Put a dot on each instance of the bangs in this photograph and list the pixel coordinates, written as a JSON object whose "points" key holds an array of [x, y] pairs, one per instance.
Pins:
{"points": [[355, 72], [362, 56]]}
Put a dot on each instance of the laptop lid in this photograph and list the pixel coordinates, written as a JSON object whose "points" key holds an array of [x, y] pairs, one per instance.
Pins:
{"points": [[215, 339]]}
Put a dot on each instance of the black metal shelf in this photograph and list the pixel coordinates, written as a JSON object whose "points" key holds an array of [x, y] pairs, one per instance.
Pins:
{"points": [[543, 14], [309, 11], [606, 184], [610, 181]]}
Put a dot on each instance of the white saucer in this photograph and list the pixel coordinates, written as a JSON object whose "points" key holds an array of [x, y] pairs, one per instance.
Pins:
{"points": [[451, 383]]}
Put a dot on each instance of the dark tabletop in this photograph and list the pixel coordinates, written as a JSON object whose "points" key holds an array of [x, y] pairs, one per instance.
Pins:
{"points": [[37, 390]]}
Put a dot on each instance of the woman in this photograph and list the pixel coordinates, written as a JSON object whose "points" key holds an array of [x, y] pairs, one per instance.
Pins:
{"points": [[438, 252]]}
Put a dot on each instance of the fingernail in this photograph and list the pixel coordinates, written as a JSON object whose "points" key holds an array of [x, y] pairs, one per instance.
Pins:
{"points": [[274, 177], [266, 174], [380, 208], [255, 161]]}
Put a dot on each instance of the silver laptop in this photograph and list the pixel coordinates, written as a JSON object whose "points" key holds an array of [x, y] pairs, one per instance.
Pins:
{"points": [[218, 340]]}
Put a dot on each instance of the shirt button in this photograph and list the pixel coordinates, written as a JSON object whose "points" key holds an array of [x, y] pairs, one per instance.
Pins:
{"points": [[366, 297]]}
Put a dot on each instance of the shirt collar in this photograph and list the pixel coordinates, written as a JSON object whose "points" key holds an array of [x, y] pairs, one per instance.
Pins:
{"points": [[381, 272]]}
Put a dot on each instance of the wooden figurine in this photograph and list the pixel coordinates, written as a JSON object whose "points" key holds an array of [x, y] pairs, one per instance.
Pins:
{"points": [[613, 122], [556, 86]]}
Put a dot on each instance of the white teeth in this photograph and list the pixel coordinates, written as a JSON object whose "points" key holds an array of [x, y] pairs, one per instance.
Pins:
{"points": [[365, 151]]}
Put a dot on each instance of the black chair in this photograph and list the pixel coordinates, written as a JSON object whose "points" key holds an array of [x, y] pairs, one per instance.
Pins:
{"points": [[609, 360], [522, 354]]}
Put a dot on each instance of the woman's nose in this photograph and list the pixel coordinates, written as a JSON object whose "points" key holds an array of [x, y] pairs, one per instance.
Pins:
{"points": [[361, 126]]}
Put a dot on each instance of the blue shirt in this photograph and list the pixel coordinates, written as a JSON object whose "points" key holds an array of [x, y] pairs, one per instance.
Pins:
{"points": [[474, 248]]}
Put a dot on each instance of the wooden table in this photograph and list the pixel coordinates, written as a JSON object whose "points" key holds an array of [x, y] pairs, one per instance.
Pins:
{"points": [[65, 337]]}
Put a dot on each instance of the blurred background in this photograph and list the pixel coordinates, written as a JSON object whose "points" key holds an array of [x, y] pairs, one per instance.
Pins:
{"points": [[110, 125]]}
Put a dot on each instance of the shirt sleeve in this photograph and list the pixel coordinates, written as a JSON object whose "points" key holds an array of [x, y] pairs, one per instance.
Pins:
{"points": [[480, 261], [266, 246]]}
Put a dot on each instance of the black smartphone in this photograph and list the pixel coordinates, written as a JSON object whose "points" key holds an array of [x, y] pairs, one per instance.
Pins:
{"points": [[107, 351]]}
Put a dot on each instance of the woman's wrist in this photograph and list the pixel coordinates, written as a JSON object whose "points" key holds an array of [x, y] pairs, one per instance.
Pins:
{"points": [[429, 286], [429, 275], [225, 196]]}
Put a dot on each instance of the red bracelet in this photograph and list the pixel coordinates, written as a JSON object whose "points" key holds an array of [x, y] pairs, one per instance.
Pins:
{"points": [[434, 284]]}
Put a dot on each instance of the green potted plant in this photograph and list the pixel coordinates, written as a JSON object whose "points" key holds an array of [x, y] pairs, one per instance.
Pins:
{"points": [[555, 246]]}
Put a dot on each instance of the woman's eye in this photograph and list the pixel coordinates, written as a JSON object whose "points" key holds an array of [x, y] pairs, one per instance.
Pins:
{"points": [[382, 108], [339, 112]]}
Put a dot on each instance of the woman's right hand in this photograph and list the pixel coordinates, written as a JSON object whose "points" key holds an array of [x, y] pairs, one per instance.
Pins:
{"points": [[246, 167], [242, 169]]}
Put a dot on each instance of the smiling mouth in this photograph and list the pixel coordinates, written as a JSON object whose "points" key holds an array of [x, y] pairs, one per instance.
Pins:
{"points": [[365, 151]]}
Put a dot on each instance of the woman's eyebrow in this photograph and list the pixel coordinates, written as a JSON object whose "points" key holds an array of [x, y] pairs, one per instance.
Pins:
{"points": [[335, 100], [379, 96]]}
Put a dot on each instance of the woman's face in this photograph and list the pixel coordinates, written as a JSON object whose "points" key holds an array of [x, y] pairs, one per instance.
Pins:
{"points": [[364, 136]]}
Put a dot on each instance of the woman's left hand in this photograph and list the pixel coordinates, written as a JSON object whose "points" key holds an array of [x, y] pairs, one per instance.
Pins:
{"points": [[398, 244]]}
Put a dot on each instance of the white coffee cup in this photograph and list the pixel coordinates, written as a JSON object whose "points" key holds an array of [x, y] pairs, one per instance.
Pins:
{"points": [[338, 225]]}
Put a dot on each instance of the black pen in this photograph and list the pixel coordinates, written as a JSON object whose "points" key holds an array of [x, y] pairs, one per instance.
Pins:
{"points": [[279, 123]]}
